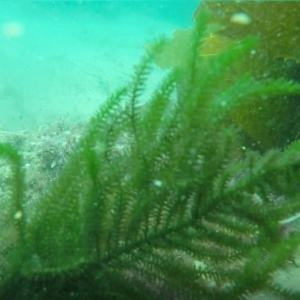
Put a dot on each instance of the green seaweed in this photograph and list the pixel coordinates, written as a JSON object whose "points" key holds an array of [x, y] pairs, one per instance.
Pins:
{"points": [[159, 201]]}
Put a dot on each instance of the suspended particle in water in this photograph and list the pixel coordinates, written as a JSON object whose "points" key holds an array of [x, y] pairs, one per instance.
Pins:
{"points": [[13, 29], [18, 215], [158, 183], [240, 18]]}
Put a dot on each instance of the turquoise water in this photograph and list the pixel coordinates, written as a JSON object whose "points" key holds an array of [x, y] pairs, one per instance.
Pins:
{"points": [[61, 59]]}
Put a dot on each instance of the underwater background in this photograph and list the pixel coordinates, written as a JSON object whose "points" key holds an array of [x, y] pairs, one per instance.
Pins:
{"points": [[61, 59]]}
